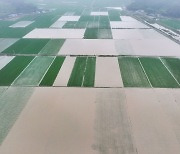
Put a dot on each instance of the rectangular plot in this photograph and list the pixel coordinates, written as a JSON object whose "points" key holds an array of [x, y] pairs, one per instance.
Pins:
{"points": [[26, 46], [77, 74], [21, 24], [158, 74], [127, 25], [108, 72], [70, 24], [114, 15], [91, 33], [12, 103], [104, 22], [12, 70], [5, 60], [33, 74], [99, 13], [69, 18], [5, 43], [89, 73], [65, 72], [173, 65], [56, 33], [58, 24], [104, 34], [88, 47], [52, 73], [52, 47], [132, 73], [151, 127]]}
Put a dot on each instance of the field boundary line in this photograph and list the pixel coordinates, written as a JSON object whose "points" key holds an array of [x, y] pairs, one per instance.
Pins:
{"points": [[23, 71], [169, 71], [145, 72], [46, 71], [82, 84]]}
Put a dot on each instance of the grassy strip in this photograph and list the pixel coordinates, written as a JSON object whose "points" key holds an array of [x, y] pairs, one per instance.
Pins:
{"points": [[52, 73], [12, 102], [91, 33], [89, 76], [77, 72], [173, 65], [11, 71], [27, 46], [158, 74], [52, 47], [132, 72], [33, 74]]}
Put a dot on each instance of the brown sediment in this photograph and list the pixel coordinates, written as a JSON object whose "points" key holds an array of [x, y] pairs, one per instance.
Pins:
{"points": [[107, 72]]}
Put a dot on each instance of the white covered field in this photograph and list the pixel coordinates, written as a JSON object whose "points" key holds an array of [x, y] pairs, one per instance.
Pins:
{"points": [[56, 33], [69, 18], [127, 25], [88, 47], [133, 120], [99, 14], [58, 24], [21, 24]]}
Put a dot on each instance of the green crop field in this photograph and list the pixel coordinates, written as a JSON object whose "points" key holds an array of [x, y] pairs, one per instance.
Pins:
{"points": [[104, 22], [12, 70], [52, 73], [27, 46], [95, 33], [114, 15], [77, 72], [52, 47], [104, 34], [91, 33], [173, 65], [158, 74], [132, 72], [89, 76], [33, 74]]}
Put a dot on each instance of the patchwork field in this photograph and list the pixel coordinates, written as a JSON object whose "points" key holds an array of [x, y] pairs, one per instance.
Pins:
{"points": [[79, 78]]}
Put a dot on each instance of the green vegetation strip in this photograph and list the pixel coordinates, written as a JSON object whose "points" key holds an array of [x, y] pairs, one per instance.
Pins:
{"points": [[132, 72], [158, 74], [12, 70], [33, 74], [12, 103], [52, 47], [89, 75], [173, 64], [52, 73], [27, 46], [77, 72]]}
